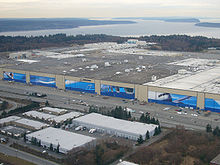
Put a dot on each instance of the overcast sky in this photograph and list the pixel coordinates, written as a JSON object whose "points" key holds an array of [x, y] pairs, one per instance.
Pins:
{"points": [[108, 8]]}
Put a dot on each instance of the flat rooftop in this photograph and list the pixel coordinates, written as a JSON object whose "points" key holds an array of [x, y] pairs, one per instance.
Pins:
{"points": [[207, 80], [56, 110], [128, 63], [216, 160], [14, 130], [67, 140], [40, 115], [102, 61], [126, 163], [116, 124], [9, 119], [31, 123], [64, 117]]}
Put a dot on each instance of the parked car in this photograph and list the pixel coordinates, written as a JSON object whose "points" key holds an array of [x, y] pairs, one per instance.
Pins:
{"points": [[166, 109]]}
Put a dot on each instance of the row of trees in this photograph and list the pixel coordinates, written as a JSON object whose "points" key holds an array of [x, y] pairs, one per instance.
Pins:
{"points": [[19, 43], [118, 112], [36, 142], [181, 42], [4, 105], [20, 109], [157, 131], [171, 42], [145, 118], [215, 132]]}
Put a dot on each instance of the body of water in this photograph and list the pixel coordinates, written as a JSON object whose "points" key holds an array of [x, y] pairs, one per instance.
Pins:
{"points": [[142, 27]]}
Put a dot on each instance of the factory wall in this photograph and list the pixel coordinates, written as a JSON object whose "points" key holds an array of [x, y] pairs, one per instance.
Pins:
{"points": [[212, 102], [42, 81], [114, 89], [87, 87], [177, 97], [118, 133], [141, 93], [47, 145], [12, 76], [172, 99]]}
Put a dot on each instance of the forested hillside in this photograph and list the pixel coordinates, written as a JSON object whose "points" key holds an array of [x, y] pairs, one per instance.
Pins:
{"points": [[170, 43]]}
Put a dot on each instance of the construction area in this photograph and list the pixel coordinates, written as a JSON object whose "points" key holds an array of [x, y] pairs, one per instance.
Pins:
{"points": [[129, 70]]}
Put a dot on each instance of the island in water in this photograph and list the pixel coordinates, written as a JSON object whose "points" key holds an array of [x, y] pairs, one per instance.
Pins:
{"points": [[165, 19], [26, 24], [208, 24], [186, 20]]}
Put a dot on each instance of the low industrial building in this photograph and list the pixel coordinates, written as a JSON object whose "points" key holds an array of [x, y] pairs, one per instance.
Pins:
{"points": [[65, 117], [216, 160], [38, 115], [11, 130], [7, 121], [29, 124], [65, 139], [121, 128], [54, 111], [126, 163]]}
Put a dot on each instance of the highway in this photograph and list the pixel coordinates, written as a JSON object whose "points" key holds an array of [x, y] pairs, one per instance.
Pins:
{"points": [[23, 155], [71, 100]]}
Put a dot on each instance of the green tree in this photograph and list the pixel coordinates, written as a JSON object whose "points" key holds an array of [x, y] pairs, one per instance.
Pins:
{"points": [[147, 119], [157, 122], [4, 113], [35, 141], [4, 105], [58, 148], [216, 131], [140, 140], [47, 103], [142, 118], [51, 146], [129, 115], [152, 120], [208, 128], [159, 129], [39, 143], [99, 151], [147, 135], [24, 137], [156, 131], [32, 140]]}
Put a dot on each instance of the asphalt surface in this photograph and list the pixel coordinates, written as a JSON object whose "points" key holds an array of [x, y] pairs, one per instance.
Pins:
{"points": [[23, 155], [71, 100]]}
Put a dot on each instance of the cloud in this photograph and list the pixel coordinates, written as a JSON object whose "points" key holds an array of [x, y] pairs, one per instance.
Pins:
{"points": [[107, 8]]}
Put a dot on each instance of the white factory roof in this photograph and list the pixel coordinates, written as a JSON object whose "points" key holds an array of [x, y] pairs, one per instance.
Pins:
{"points": [[66, 139], [66, 116], [56, 110], [126, 163], [9, 119], [31, 123], [206, 81], [39, 115], [116, 124]]}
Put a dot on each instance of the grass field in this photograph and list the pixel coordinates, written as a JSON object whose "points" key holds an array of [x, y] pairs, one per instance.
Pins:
{"points": [[10, 160]]}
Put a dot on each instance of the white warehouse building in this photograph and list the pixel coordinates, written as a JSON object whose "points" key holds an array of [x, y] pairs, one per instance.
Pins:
{"points": [[67, 140], [113, 126]]}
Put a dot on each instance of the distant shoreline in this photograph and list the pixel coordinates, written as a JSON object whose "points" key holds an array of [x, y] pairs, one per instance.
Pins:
{"points": [[16, 25], [208, 24]]}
